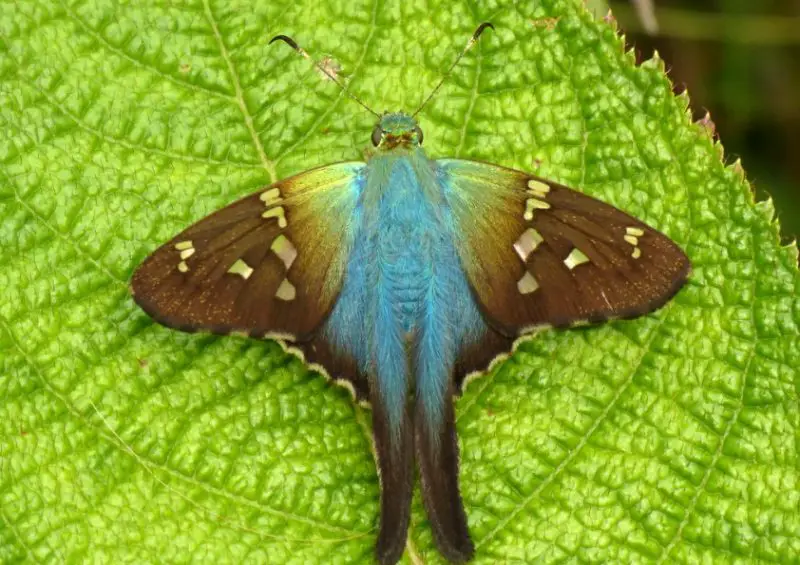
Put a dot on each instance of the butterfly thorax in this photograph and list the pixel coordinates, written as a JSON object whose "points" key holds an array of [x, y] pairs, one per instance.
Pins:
{"points": [[406, 239]]}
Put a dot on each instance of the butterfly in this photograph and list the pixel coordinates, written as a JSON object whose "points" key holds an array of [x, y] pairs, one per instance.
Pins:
{"points": [[400, 276]]}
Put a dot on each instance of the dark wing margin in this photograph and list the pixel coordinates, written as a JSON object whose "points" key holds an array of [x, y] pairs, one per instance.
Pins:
{"points": [[540, 254], [268, 265]]}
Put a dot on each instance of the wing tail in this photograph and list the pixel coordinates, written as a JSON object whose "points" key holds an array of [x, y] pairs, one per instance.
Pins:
{"points": [[437, 453], [396, 466]]}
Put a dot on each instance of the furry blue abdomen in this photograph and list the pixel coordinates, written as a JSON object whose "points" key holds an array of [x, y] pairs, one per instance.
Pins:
{"points": [[405, 309]]}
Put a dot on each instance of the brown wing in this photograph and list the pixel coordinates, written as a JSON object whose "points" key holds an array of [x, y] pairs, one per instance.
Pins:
{"points": [[537, 253], [270, 263]]}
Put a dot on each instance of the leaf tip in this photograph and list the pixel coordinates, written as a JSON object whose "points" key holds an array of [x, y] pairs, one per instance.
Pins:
{"points": [[767, 209], [630, 53], [738, 169], [794, 253], [708, 126], [655, 62], [720, 150], [611, 20]]}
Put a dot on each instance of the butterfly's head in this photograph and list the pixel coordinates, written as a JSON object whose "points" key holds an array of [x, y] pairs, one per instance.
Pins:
{"points": [[396, 130]]}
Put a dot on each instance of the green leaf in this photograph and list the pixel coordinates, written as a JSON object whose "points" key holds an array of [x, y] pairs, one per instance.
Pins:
{"points": [[670, 439]]}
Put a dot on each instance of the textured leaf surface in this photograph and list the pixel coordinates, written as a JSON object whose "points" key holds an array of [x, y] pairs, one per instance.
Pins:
{"points": [[670, 439]]}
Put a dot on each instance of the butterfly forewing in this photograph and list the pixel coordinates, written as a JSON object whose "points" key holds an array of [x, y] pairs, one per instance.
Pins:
{"points": [[537, 253], [270, 263]]}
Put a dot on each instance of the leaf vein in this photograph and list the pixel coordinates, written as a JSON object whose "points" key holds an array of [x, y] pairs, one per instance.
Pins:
{"points": [[573, 453], [472, 100], [151, 466], [268, 165], [17, 536], [134, 61], [47, 97]]}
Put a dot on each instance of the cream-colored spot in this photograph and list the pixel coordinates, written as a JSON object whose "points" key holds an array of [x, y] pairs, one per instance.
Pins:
{"points": [[527, 283], [636, 253], [186, 249], [576, 257], [284, 249], [271, 196], [241, 268], [286, 291], [632, 239], [634, 231], [527, 243], [532, 204], [276, 212], [538, 186]]}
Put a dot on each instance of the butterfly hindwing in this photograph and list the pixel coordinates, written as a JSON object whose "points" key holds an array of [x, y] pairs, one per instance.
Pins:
{"points": [[270, 263], [537, 253]]}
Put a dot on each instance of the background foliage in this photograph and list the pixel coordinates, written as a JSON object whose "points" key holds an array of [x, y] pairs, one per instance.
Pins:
{"points": [[739, 60], [670, 439]]}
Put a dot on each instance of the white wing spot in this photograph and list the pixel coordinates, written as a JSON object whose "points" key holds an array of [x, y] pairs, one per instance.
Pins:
{"points": [[284, 249], [527, 243], [532, 204], [538, 188], [576, 257], [241, 268], [276, 212], [271, 196], [527, 284], [632, 235], [286, 291], [187, 250]]}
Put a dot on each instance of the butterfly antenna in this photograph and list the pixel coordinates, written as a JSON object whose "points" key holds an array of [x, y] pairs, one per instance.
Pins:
{"points": [[470, 43], [293, 44]]}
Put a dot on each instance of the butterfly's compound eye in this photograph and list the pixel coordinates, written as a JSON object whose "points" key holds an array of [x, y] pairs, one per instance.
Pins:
{"points": [[377, 134], [419, 135]]}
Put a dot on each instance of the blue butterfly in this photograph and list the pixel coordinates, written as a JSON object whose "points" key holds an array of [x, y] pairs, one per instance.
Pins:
{"points": [[401, 276]]}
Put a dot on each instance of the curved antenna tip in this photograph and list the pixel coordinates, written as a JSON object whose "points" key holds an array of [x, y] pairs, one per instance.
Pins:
{"points": [[293, 44], [480, 29], [285, 38]]}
